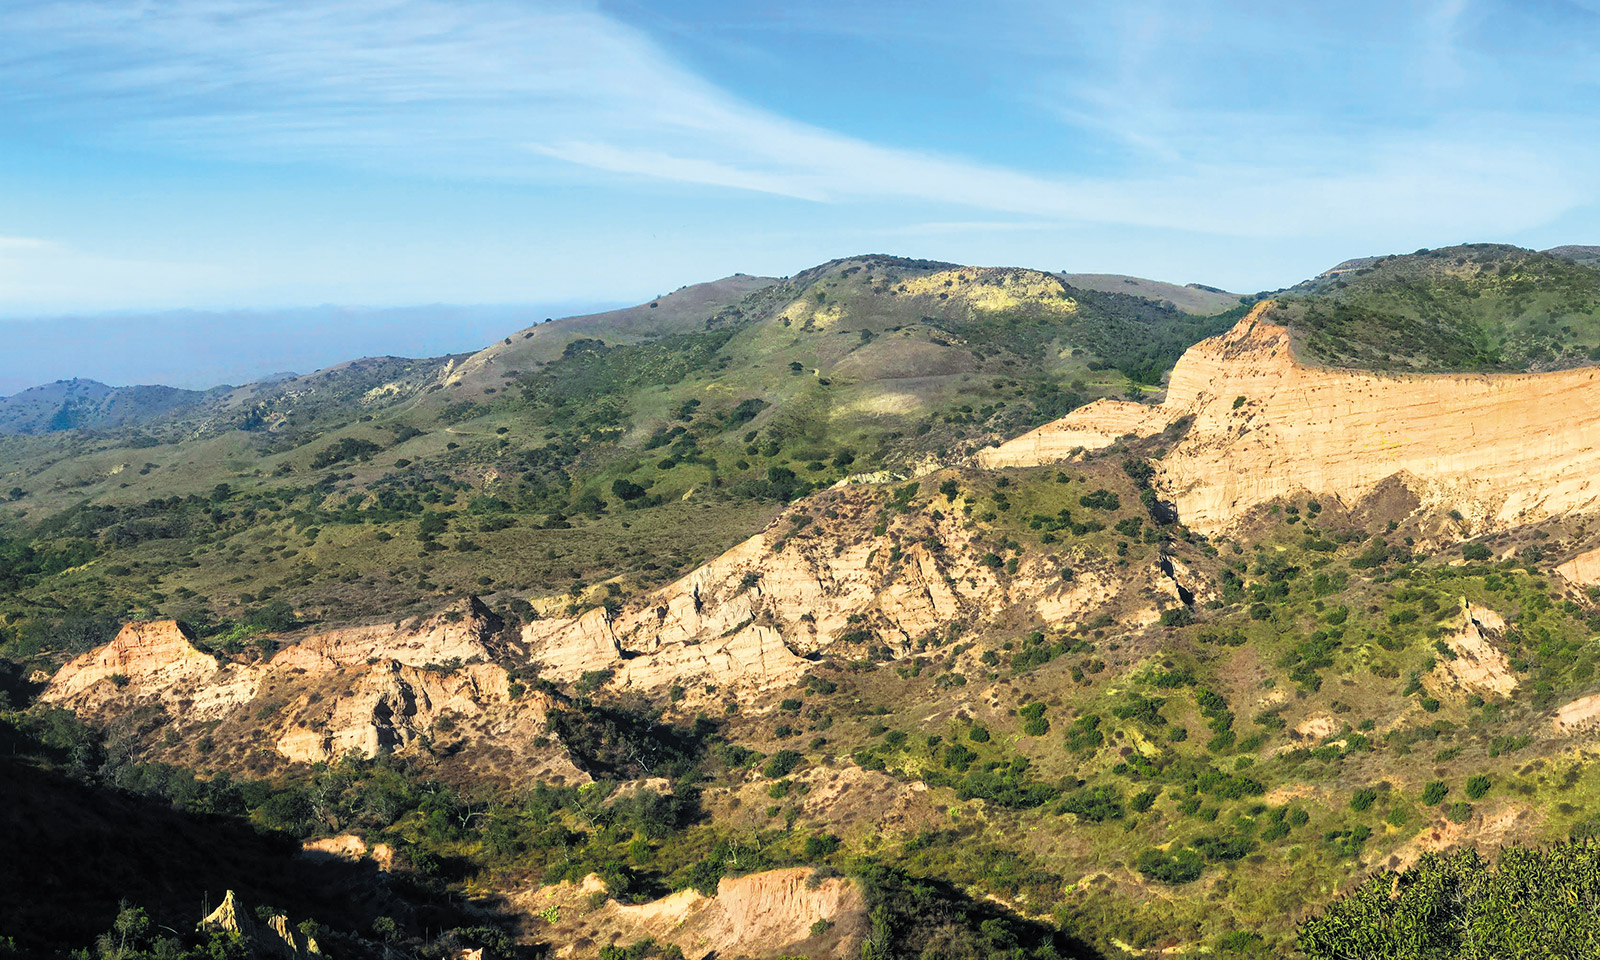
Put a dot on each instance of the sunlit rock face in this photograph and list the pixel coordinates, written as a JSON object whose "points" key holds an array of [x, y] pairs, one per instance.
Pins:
{"points": [[1502, 449]]}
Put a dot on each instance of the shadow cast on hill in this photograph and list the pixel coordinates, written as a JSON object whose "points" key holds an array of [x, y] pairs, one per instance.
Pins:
{"points": [[75, 851]]}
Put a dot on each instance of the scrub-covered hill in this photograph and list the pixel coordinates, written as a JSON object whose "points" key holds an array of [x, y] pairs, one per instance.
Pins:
{"points": [[1478, 307], [874, 611]]}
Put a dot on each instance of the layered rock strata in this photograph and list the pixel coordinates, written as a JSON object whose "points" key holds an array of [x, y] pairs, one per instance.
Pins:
{"points": [[1501, 449]]}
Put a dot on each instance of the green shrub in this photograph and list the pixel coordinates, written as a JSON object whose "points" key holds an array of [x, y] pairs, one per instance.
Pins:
{"points": [[1100, 499], [1095, 804], [781, 764], [820, 845], [1224, 849], [1084, 735], [1533, 902], [1178, 867]]}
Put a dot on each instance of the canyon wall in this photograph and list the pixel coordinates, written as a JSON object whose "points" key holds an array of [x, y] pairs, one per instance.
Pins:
{"points": [[1503, 449]]}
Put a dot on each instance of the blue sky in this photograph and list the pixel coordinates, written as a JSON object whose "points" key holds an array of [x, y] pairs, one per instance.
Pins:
{"points": [[226, 154]]}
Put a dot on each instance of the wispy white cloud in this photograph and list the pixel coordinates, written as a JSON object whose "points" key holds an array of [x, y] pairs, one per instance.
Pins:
{"points": [[938, 227], [23, 244], [540, 92]]}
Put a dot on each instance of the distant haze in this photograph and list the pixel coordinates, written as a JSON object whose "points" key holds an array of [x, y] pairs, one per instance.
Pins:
{"points": [[200, 349]]}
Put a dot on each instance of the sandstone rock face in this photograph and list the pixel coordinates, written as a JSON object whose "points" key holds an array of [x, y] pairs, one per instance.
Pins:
{"points": [[158, 651], [152, 659], [1581, 714], [229, 917], [1582, 570], [1090, 427], [389, 706], [277, 939], [347, 847], [1502, 449], [465, 632], [760, 914], [752, 617], [366, 690], [1479, 666], [778, 906]]}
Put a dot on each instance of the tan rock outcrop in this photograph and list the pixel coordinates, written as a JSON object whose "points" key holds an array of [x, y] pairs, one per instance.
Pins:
{"points": [[1069, 601], [1507, 821], [1479, 665], [229, 917], [364, 690], [156, 652], [1502, 449], [1318, 727], [751, 617], [389, 706], [1582, 714], [153, 660], [347, 847], [760, 914], [778, 906], [464, 632], [1091, 427], [1582, 570], [277, 939]]}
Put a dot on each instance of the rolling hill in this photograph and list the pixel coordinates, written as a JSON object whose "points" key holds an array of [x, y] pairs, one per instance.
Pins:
{"points": [[895, 608], [1478, 307]]}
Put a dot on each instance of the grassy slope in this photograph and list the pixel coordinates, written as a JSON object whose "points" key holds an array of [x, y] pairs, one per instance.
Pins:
{"points": [[75, 404], [859, 365], [1476, 307], [1191, 298], [1339, 642]]}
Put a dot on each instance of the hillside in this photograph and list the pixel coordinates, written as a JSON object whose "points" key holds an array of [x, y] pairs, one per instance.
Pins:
{"points": [[88, 405], [892, 609], [1195, 298], [540, 469], [1587, 255], [1478, 307]]}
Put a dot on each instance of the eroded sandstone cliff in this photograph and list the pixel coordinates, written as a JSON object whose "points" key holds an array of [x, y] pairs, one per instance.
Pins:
{"points": [[368, 690], [1500, 449], [773, 913], [822, 578]]}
